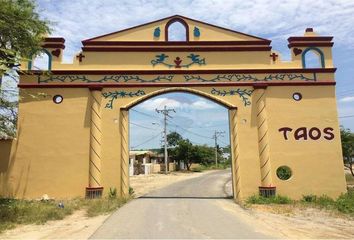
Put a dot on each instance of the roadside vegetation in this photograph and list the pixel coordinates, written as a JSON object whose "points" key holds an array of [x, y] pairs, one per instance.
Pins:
{"points": [[343, 204], [16, 212]]}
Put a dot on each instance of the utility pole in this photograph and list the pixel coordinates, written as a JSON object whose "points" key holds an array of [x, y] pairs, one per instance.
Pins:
{"points": [[165, 112], [215, 137]]}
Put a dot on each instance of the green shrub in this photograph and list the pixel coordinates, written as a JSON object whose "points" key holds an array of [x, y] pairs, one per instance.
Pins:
{"points": [[309, 198], [112, 193], [131, 191], [278, 199], [345, 203]]}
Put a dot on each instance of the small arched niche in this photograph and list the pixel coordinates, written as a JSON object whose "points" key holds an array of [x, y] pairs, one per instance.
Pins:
{"points": [[42, 62], [313, 58], [177, 30]]}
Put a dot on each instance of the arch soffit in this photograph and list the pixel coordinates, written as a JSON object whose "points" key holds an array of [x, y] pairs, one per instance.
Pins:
{"points": [[180, 89]]}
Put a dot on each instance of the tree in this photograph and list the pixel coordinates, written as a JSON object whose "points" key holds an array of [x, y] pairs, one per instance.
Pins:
{"points": [[21, 32], [347, 138], [21, 35], [184, 152]]}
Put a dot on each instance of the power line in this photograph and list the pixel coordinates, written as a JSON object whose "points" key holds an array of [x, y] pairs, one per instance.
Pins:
{"points": [[148, 115], [138, 125], [199, 135], [349, 116], [147, 141]]}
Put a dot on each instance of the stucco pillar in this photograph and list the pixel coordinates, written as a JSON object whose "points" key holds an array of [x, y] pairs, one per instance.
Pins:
{"points": [[263, 139], [235, 163], [124, 133], [95, 189]]}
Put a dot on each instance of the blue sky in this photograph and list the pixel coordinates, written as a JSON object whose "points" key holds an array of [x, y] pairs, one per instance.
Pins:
{"points": [[271, 19]]}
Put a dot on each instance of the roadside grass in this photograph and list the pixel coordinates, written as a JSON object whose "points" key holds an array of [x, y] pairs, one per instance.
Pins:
{"points": [[343, 204], [269, 200], [350, 178], [203, 167], [15, 212]]}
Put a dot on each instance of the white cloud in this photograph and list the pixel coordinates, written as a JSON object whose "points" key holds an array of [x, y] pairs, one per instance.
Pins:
{"points": [[201, 105], [159, 103], [276, 20], [347, 99], [181, 104]]}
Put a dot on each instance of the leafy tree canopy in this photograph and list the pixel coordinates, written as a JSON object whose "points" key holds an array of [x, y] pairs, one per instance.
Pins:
{"points": [[21, 32], [347, 138]]}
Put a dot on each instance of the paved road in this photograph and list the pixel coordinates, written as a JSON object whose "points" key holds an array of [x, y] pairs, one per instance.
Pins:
{"points": [[193, 208]]}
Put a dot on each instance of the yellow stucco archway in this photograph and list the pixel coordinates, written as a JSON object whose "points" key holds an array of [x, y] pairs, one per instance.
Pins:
{"points": [[73, 140]]}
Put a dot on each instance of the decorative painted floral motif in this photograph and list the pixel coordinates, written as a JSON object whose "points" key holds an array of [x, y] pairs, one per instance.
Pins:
{"points": [[251, 78], [244, 94], [120, 94], [161, 59], [113, 78]]}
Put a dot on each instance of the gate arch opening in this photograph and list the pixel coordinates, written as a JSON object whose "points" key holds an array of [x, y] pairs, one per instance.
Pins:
{"points": [[144, 107]]}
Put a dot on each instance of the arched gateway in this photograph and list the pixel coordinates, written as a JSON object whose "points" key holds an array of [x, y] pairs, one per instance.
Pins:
{"points": [[72, 139]]}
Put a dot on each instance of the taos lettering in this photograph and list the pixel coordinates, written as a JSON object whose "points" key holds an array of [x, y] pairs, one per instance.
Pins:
{"points": [[304, 133]]}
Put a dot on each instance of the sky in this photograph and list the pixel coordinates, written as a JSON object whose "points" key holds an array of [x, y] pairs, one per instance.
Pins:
{"points": [[275, 20]]}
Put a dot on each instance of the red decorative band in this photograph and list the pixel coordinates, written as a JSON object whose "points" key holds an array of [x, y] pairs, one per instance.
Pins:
{"points": [[310, 44], [177, 84], [94, 188], [54, 39], [268, 188], [175, 43], [53, 45], [207, 71], [95, 88], [175, 49], [310, 39]]}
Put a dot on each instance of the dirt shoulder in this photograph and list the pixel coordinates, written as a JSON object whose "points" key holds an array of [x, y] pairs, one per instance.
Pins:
{"points": [[296, 221], [78, 225]]}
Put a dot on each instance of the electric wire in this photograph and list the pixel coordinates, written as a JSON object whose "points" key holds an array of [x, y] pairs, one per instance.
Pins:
{"points": [[196, 134], [138, 145], [348, 116], [138, 125]]}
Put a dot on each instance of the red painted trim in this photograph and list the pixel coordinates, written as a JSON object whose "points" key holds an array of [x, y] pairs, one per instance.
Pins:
{"points": [[270, 188], [54, 39], [260, 86], [53, 45], [174, 16], [310, 44], [206, 71], [178, 84], [175, 49], [310, 39], [95, 88], [94, 188], [180, 20], [175, 43]]}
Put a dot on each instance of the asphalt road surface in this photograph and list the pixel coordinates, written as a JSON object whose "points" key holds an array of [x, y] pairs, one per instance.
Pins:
{"points": [[191, 208]]}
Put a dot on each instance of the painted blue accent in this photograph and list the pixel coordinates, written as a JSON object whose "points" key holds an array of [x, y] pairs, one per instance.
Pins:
{"points": [[157, 32], [196, 32], [303, 56], [49, 60]]}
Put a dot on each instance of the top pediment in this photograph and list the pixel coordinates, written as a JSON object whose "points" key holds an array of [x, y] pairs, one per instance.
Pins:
{"points": [[158, 31]]}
